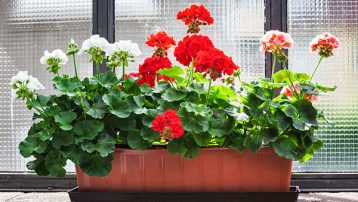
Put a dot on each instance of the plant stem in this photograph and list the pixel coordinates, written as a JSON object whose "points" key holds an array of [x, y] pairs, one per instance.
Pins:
{"points": [[123, 70], [209, 87], [74, 64], [83, 108], [315, 69], [97, 67], [273, 66], [191, 73]]}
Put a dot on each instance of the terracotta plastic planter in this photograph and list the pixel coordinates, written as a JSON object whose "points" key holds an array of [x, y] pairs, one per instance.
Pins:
{"points": [[214, 170]]}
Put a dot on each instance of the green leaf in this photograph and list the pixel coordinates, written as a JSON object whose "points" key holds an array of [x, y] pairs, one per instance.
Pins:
{"points": [[44, 135], [105, 145], [135, 141], [307, 113], [97, 111], [299, 125], [149, 117], [54, 162], [97, 165], [127, 124], [117, 106], [220, 124], [31, 144], [65, 119], [62, 139], [145, 89], [286, 146], [199, 77], [202, 139], [87, 130], [282, 121], [41, 101], [174, 72], [172, 95], [325, 89], [289, 110], [254, 140], [301, 77], [222, 92], [75, 154], [38, 165], [107, 79], [192, 148], [177, 146], [201, 110], [69, 86], [283, 76], [193, 123], [264, 93], [149, 135]]}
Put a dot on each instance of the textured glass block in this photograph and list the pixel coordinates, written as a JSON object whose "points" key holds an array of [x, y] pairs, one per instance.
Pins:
{"points": [[307, 18], [27, 28], [237, 28]]}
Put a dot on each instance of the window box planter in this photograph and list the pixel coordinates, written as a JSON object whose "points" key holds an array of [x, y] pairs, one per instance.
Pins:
{"points": [[214, 170]]}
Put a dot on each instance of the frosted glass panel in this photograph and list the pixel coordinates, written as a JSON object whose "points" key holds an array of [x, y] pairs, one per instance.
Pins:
{"points": [[237, 28], [307, 18], [27, 28]]}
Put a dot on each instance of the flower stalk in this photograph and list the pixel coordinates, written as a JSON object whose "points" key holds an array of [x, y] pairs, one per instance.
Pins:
{"points": [[315, 69]]}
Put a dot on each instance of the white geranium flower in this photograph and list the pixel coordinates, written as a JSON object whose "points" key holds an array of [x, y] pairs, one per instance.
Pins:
{"points": [[56, 54], [94, 41], [23, 81], [21, 76], [34, 84]]}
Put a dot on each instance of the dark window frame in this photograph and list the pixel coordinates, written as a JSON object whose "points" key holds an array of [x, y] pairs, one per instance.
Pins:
{"points": [[104, 25]]}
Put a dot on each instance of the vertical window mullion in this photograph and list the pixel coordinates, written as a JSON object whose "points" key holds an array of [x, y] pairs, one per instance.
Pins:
{"points": [[275, 19], [103, 23]]}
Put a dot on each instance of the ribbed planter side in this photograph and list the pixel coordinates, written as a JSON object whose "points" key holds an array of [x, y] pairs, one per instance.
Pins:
{"points": [[214, 170]]}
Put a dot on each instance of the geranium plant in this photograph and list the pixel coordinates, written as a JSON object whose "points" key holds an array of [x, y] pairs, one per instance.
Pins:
{"points": [[202, 104]]}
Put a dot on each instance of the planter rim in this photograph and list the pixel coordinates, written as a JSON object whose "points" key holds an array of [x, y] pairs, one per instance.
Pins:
{"points": [[213, 149]]}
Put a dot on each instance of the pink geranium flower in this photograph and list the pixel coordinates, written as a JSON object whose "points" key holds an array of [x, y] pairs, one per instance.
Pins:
{"points": [[275, 41], [287, 90], [325, 44]]}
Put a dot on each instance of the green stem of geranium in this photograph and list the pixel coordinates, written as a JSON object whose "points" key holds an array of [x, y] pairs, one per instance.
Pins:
{"points": [[123, 70], [74, 64], [97, 67], [191, 73], [273, 66], [209, 87], [315, 69], [36, 108]]}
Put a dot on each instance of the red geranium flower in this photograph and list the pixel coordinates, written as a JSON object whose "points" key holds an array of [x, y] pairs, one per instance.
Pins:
{"points": [[168, 124], [214, 63], [194, 16], [189, 47], [133, 74], [148, 70], [161, 41], [325, 44]]}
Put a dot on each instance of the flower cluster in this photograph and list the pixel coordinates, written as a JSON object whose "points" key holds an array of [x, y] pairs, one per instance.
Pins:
{"points": [[123, 46], [287, 90], [168, 125], [188, 48], [24, 86], [214, 63], [95, 41], [194, 16], [72, 48], [274, 41], [325, 44], [148, 70], [161, 41], [54, 59]]}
